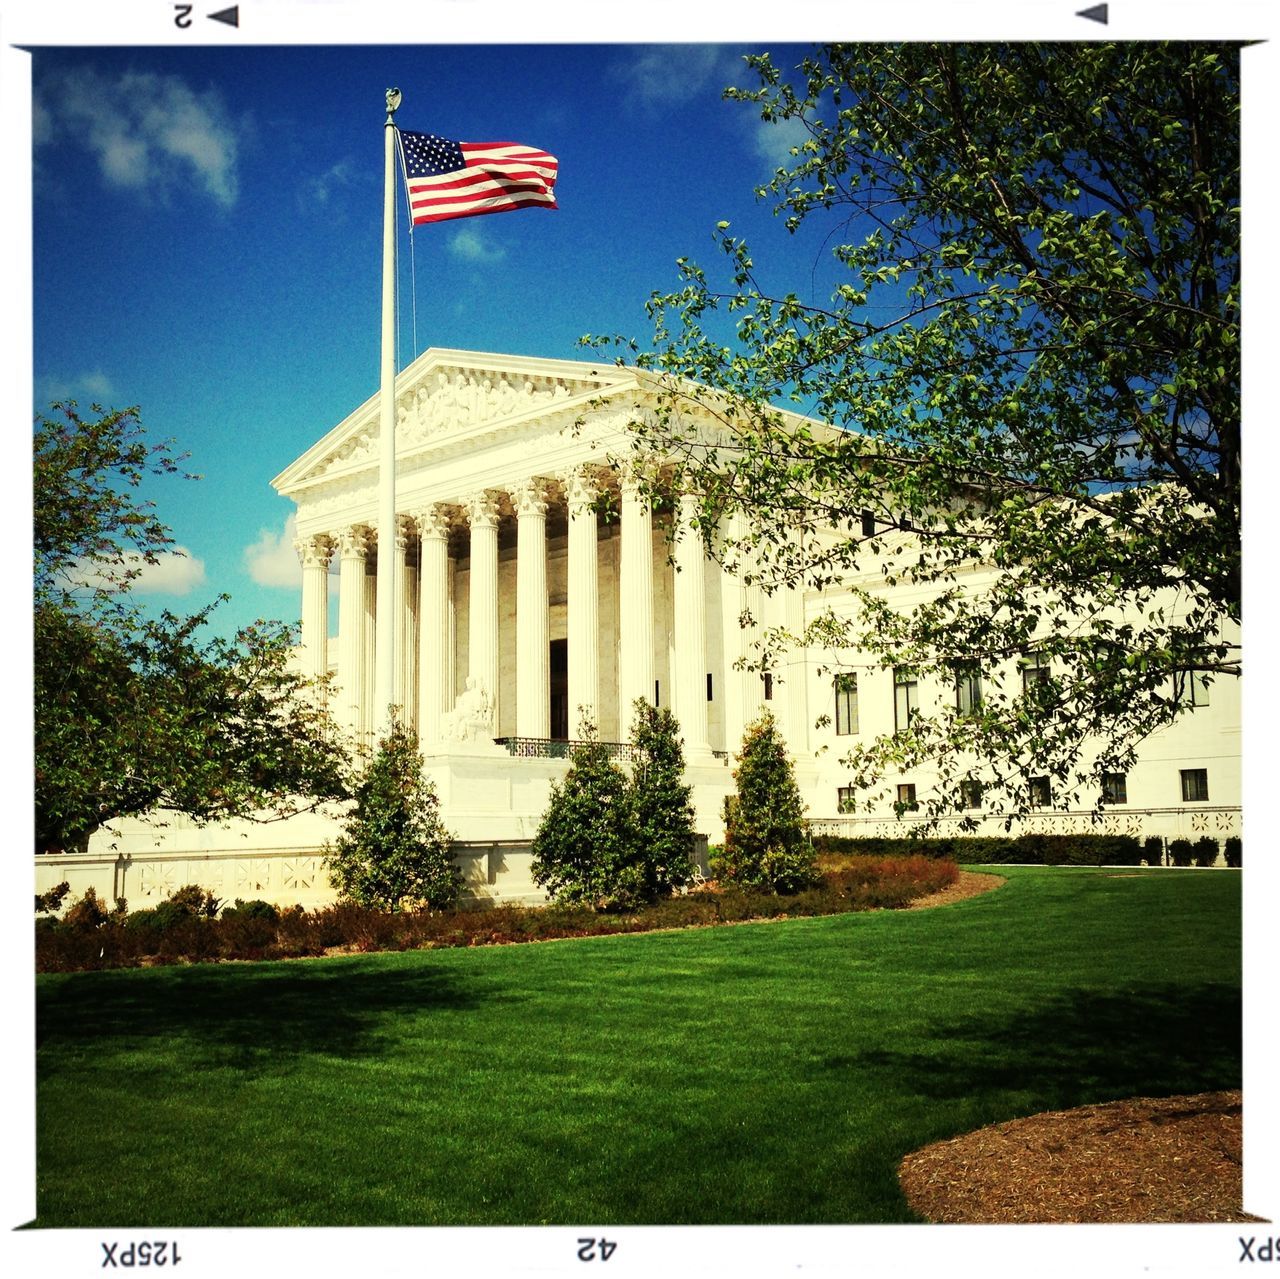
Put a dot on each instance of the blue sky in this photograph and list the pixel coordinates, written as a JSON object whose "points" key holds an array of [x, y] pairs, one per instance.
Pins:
{"points": [[207, 240]]}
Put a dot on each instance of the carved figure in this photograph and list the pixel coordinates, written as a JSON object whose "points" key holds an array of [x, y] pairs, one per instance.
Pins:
{"points": [[472, 714]]}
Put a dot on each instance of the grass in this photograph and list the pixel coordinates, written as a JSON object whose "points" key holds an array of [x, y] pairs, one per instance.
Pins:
{"points": [[757, 1073]]}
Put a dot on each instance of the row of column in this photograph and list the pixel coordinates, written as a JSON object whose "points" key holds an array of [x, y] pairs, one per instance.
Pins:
{"points": [[424, 610]]}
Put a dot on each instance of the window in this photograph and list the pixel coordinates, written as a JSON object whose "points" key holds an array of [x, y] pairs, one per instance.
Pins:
{"points": [[868, 523], [907, 795], [1195, 785], [846, 687], [1190, 689], [768, 685], [1115, 788], [906, 697], [1041, 794], [845, 800], [657, 701], [906, 523], [1035, 670], [709, 686], [970, 794], [968, 688]]}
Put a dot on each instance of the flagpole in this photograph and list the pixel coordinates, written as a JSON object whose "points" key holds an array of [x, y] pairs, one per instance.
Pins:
{"points": [[384, 626]]}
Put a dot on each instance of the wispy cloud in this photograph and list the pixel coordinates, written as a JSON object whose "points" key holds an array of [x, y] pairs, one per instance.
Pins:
{"points": [[175, 572], [321, 190], [774, 140], [272, 560], [471, 244], [149, 133], [660, 76], [89, 387]]}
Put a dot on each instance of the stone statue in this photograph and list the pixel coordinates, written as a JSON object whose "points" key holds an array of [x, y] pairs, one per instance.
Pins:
{"points": [[472, 716]]}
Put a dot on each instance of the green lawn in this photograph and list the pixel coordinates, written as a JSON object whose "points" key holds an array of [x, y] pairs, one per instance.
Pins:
{"points": [[759, 1073]]}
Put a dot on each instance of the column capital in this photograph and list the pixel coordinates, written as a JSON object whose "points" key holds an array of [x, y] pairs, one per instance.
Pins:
{"points": [[355, 542], [433, 521], [530, 496], [482, 508], [581, 488], [404, 532], [315, 551]]}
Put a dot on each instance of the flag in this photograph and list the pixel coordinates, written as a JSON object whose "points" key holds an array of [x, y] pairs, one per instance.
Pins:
{"points": [[464, 179]]}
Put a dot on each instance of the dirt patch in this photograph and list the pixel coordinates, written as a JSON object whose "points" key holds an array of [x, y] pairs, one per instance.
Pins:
{"points": [[1144, 1160], [969, 884]]}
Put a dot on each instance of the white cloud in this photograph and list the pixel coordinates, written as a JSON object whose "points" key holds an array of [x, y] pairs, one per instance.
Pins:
{"points": [[672, 74], [472, 245], [150, 133], [91, 387], [320, 190], [175, 572], [774, 140], [272, 561]]}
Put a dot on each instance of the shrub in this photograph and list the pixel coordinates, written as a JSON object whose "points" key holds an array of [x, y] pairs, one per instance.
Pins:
{"points": [[582, 851], [1231, 850], [47, 903], [1180, 852], [1048, 850], [196, 900], [395, 851], [660, 816], [766, 846], [1206, 851], [1153, 850], [256, 909], [88, 912]]}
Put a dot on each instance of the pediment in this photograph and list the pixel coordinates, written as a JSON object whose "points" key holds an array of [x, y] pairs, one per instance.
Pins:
{"points": [[447, 397]]}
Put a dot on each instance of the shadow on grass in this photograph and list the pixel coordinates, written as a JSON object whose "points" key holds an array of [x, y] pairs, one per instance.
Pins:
{"points": [[250, 1017], [1156, 1040]]}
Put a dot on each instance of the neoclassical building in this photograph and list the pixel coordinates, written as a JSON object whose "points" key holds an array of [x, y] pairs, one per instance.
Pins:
{"points": [[533, 588]]}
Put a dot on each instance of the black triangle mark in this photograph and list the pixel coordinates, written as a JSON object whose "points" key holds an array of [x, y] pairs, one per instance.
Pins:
{"points": [[1097, 13], [231, 17]]}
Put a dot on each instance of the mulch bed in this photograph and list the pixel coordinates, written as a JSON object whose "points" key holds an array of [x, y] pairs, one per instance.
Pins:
{"points": [[1143, 1160]]}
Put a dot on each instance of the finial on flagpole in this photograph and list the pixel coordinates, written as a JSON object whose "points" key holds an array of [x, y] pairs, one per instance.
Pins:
{"points": [[393, 103]]}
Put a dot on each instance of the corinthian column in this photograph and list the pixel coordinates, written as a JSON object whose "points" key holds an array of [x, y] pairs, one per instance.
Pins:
{"points": [[399, 617], [584, 604], [635, 604], [434, 693], [353, 553], [315, 554], [533, 673], [691, 631], [483, 511]]}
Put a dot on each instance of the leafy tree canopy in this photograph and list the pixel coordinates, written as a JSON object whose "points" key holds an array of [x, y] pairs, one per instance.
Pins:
{"points": [[134, 713], [1031, 349]]}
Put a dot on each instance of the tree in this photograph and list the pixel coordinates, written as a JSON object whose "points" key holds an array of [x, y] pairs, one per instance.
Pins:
{"points": [[661, 821], [582, 851], [136, 714], [395, 851], [766, 846], [1030, 354]]}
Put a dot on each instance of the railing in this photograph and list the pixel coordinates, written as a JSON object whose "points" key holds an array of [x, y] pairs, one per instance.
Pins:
{"points": [[555, 748]]}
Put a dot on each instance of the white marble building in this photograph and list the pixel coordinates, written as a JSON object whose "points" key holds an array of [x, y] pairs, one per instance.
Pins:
{"points": [[532, 581]]}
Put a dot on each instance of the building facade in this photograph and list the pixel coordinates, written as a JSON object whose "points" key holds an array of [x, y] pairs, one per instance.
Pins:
{"points": [[534, 591]]}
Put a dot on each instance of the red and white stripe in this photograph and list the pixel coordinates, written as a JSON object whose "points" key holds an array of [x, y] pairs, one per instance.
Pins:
{"points": [[498, 176]]}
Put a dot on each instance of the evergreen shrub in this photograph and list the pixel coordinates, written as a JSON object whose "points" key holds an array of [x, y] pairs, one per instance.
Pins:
{"points": [[1048, 850], [1181, 852], [1231, 850], [1153, 850], [1206, 851]]}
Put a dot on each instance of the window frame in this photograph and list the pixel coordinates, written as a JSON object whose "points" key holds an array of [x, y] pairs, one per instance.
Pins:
{"points": [[1194, 779], [1116, 781], [845, 688], [968, 677], [1037, 787], [904, 679]]}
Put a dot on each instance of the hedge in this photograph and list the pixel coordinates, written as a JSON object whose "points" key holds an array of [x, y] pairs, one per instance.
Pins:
{"points": [[1047, 850]]}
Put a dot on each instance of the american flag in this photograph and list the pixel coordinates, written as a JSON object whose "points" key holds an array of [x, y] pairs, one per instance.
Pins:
{"points": [[464, 179]]}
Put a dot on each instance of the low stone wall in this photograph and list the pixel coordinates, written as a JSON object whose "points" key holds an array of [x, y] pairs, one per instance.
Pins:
{"points": [[494, 871]]}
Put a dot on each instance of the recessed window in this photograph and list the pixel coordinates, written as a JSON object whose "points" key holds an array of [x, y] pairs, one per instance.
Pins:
{"points": [[906, 697], [968, 688], [1195, 785], [846, 689], [868, 524], [656, 700], [1035, 670], [845, 799], [907, 795], [1190, 689], [971, 793], [768, 686], [708, 686], [1040, 792], [1115, 788]]}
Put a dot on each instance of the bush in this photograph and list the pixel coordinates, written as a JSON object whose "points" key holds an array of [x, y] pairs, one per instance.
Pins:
{"points": [[256, 909], [766, 847], [89, 912], [1206, 851], [1048, 850], [660, 816], [395, 851], [1231, 850], [47, 903], [582, 852], [1180, 852], [1153, 850]]}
